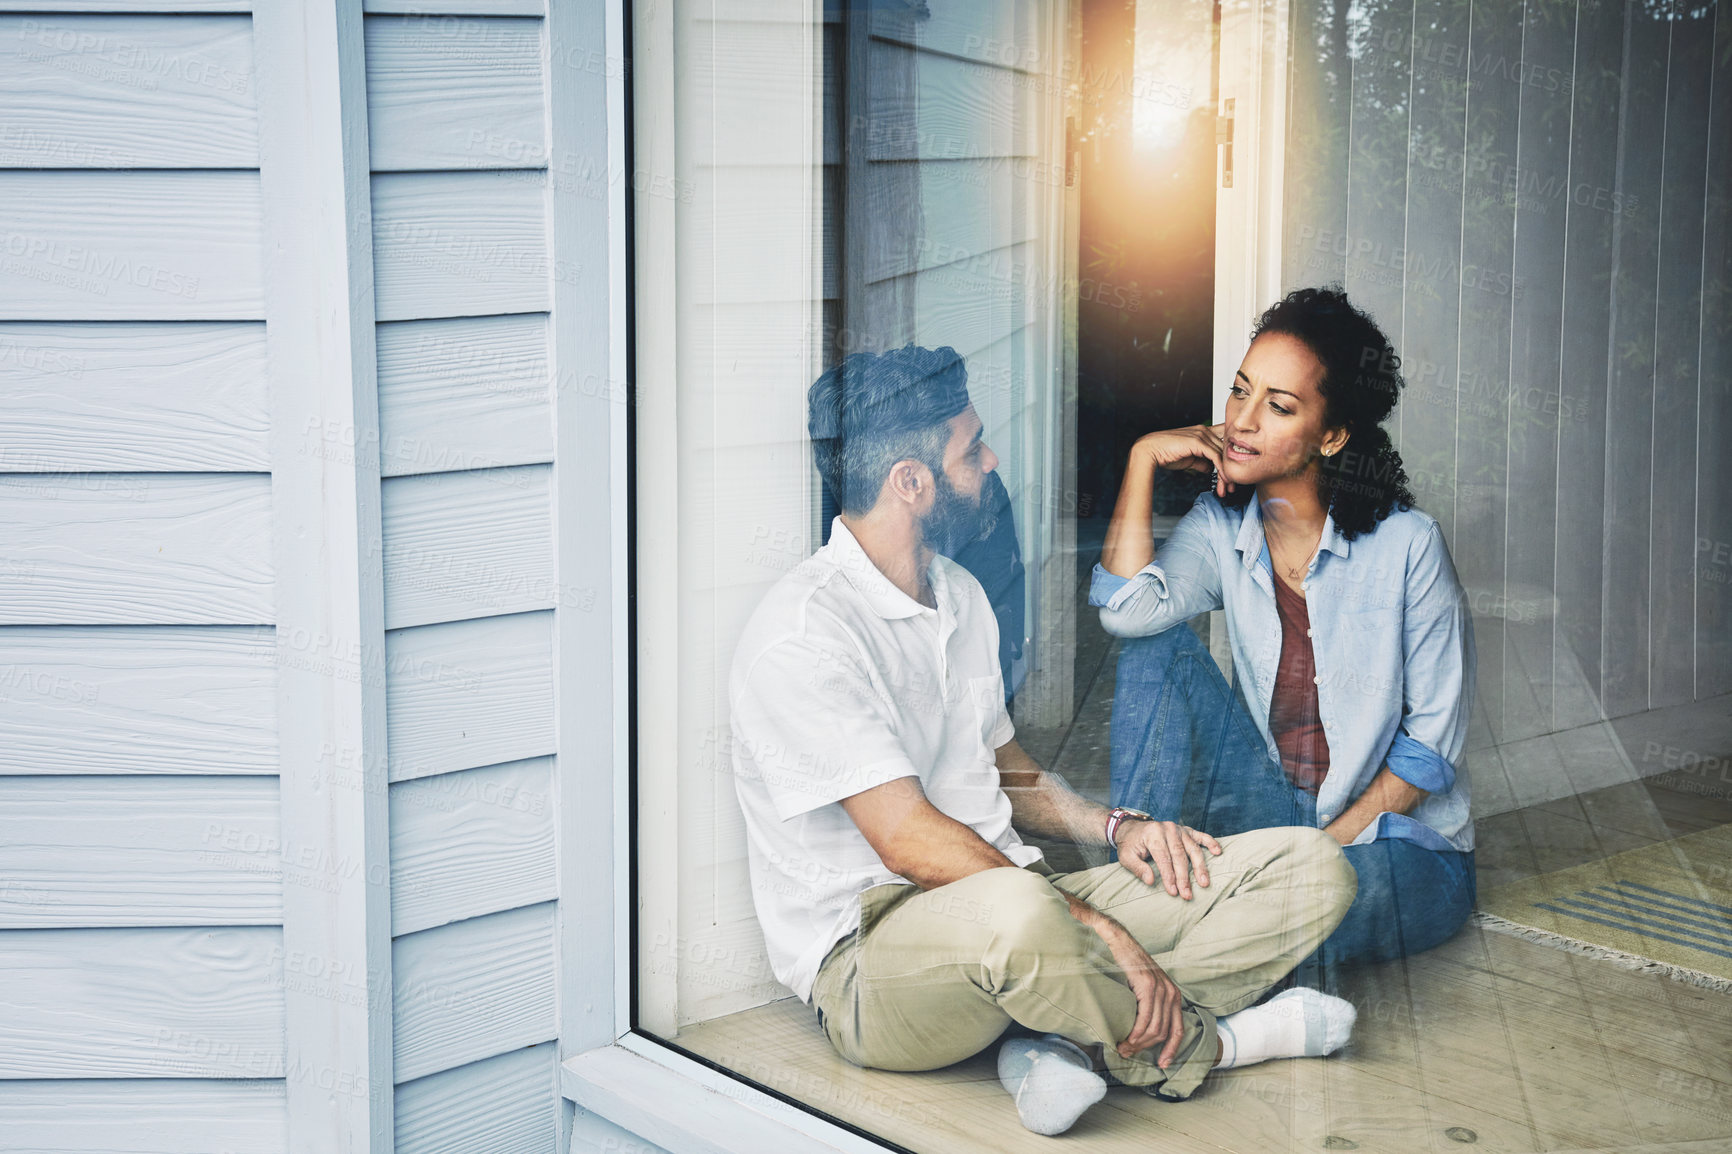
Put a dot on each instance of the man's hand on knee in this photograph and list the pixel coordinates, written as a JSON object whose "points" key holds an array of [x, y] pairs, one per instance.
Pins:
{"points": [[1160, 1006], [1175, 851]]}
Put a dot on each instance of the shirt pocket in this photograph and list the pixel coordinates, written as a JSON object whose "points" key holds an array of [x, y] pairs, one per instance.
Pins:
{"points": [[1368, 616]]}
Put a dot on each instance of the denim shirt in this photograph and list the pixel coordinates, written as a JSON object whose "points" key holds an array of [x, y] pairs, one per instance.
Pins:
{"points": [[1390, 631]]}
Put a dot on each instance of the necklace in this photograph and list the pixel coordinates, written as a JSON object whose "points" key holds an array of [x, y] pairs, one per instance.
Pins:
{"points": [[1294, 572]]}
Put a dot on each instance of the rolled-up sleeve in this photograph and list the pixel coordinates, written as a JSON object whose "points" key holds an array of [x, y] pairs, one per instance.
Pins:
{"points": [[1420, 765], [1438, 676], [1182, 581]]}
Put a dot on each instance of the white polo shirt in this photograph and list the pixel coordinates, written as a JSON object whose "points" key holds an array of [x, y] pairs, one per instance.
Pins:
{"points": [[842, 682]]}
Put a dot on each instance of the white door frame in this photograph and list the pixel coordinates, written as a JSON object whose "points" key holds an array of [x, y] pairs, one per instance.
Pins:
{"points": [[1250, 149], [1254, 68]]}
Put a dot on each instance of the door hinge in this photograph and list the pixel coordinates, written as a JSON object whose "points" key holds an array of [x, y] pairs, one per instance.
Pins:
{"points": [[1224, 139]]}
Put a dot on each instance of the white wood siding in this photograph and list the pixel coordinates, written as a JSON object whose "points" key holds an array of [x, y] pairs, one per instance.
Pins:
{"points": [[463, 270], [473, 989], [278, 605], [127, 91], [472, 842], [146, 1116], [120, 397], [455, 94], [468, 544], [494, 1106], [168, 699], [130, 245], [195, 850], [458, 244], [161, 1002], [467, 393], [141, 848], [112, 548]]}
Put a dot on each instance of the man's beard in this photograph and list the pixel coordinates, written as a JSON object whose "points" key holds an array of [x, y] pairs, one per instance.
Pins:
{"points": [[955, 520]]}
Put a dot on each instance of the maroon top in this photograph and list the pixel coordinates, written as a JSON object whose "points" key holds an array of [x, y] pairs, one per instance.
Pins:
{"points": [[1293, 718]]}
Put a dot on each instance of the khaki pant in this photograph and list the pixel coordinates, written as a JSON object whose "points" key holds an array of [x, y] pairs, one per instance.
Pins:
{"points": [[933, 977]]}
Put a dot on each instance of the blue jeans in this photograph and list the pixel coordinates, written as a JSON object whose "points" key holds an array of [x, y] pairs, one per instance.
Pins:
{"points": [[1184, 748]]}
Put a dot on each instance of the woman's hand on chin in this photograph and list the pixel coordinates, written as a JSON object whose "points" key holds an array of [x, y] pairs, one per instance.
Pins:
{"points": [[1192, 449]]}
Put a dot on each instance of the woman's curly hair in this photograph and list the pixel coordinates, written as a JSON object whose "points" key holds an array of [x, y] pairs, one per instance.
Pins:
{"points": [[1362, 380]]}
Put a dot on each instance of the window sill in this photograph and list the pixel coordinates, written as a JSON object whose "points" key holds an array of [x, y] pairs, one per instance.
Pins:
{"points": [[689, 1108]]}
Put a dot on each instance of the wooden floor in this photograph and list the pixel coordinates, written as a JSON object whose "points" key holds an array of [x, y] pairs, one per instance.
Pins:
{"points": [[1489, 1043]]}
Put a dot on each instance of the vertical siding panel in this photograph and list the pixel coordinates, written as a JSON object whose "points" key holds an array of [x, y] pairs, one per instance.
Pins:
{"points": [[1431, 302], [1713, 460], [1587, 304], [1677, 357], [587, 343], [1630, 388], [1377, 162], [1320, 97], [1485, 277], [1541, 205], [319, 307]]}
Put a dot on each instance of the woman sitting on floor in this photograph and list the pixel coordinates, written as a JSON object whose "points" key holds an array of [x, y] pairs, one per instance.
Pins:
{"points": [[1353, 657]]}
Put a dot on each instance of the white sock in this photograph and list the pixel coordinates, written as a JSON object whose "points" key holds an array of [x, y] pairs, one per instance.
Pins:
{"points": [[1296, 1023], [1050, 1080]]}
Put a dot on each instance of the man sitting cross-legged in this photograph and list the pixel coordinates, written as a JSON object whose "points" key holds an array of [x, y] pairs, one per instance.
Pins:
{"points": [[882, 791]]}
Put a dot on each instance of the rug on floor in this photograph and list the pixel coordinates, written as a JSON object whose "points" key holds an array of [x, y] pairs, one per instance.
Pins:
{"points": [[1669, 903]]}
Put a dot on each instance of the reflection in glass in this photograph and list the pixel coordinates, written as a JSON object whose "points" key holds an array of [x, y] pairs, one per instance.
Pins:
{"points": [[1515, 194]]}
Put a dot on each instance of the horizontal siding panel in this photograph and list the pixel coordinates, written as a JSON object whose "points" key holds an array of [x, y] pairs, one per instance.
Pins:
{"points": [[1006, 33], [465, 393], [953, 109], [111, 548], [443, 9], [472, 990], [469, 693], [449, 244], [116, 397], [150, 700], [127, 91], [468, 544], [168, 6], [972, 305], [101, 245], [139, 851], [471, 843], [454, 93], [145, 1116], [970, 211], [502, 1105], [142, 1003]]}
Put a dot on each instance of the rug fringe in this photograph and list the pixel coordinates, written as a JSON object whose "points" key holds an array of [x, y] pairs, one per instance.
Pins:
{"points": [[1616, 957]]}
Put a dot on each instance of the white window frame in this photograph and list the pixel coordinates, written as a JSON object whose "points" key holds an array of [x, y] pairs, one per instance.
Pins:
{"points": [[625, 1084]]}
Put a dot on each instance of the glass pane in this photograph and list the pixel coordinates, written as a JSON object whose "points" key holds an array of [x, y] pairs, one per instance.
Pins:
{"points": [[1442, 659]]}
